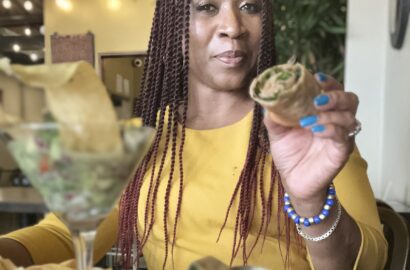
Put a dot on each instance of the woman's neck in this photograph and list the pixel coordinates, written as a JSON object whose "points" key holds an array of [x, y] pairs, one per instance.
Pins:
{"points": [[209, 108]]}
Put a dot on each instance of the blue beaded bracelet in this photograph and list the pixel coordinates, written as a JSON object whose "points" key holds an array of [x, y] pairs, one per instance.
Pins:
{"points": [[324, 213]]}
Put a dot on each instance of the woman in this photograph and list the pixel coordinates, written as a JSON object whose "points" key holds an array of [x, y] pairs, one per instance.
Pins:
{"points": [[219, 170]]}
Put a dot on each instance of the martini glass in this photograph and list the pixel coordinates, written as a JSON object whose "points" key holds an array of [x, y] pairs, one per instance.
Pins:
{"points": [[80, 187]]}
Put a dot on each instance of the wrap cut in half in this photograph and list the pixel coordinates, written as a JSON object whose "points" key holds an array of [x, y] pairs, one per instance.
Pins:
{"points": [[286, 92]]}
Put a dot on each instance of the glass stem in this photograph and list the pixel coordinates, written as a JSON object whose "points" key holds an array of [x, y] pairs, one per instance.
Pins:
{"points": [[84, 245]]}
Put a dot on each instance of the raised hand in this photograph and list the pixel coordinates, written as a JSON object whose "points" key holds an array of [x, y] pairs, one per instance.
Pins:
{"points": [[309, 157]]}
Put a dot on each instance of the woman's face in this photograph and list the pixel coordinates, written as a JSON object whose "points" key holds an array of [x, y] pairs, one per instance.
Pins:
{"points": [[224, 42]]}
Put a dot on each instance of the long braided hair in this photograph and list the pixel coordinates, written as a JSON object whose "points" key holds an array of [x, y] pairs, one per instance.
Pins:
{"points": [[165, 89]]}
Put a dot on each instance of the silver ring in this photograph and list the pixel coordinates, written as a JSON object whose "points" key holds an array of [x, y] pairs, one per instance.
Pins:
{"points": [[356, 130]]}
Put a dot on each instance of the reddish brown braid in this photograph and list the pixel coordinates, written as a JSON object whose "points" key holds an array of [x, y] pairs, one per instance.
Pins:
{"points": [[267, 58], [165, 94]]}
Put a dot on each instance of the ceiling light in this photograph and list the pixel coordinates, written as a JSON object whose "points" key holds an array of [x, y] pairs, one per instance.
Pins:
{"points": [[114, 4], [33, 57], [27, 31], [6, 4], [42, 29], [65, 5], [28, 5], [16, 47]]}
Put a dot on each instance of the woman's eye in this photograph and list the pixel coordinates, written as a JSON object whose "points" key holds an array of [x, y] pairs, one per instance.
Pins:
{"points": [[206, 8], [251, 8]]}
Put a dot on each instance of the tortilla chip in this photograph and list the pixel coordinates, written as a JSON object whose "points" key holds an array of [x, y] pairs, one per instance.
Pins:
{"points": [[77, 100], [7, 119]]}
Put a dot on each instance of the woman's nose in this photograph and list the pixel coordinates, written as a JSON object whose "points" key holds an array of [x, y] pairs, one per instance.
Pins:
{"points": [[231, 25]]}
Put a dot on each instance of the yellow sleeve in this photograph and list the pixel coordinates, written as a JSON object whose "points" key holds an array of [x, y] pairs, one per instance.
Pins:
{"points": [[50, 241], [355, 194]]}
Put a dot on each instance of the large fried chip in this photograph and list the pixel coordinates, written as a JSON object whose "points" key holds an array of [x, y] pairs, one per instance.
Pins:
{"points": [[77, 100], [6, 118]]}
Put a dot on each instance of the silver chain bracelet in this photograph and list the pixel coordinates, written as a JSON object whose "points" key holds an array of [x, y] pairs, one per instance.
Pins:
{"points": [[326, 234]]}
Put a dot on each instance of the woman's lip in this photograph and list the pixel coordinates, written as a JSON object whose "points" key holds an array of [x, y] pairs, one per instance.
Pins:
{"points": [[231, 57], [230, 60], [232, 53]]}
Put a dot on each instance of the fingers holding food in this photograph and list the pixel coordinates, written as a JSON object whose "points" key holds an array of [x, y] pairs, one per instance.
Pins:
{"points": [[345, 119], [337, 101]]}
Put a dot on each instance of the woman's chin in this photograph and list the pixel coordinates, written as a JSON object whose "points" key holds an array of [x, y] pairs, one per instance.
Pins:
{"points": [[231, 83], [232, 87]]}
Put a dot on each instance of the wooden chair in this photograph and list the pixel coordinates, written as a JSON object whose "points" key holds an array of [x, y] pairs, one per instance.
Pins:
{"points": [[396, 230]]}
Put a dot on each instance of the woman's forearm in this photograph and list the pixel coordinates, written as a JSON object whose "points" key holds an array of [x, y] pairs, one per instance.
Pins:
{"points": [[15, 251], [340, 249]]}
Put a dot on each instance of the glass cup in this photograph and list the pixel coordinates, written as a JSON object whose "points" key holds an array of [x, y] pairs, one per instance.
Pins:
{"points": [[80, 187]]}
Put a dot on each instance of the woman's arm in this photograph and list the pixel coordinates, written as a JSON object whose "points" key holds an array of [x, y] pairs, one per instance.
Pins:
{"points": [[15, 251], [50, 241], [309, 159], [360, 213], [338, 251]]}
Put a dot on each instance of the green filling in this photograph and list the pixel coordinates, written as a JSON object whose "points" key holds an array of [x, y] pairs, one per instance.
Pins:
{"points": [[284, 76], [277, 70], [266, 77], [257, 90]]}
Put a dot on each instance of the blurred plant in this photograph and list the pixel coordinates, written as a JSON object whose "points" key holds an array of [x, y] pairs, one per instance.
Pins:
{"points": [[314, 31]]}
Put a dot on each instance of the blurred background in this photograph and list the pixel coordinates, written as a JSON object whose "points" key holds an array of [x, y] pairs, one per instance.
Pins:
{"points": [[22, 31]]}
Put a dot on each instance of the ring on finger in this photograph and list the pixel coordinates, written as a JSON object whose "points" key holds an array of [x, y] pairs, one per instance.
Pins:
{"points": [[356, 130]]}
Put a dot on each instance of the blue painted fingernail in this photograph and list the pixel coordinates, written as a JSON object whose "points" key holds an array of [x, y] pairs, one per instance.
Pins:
{"points": [[308, 120], [321, 76], [318, 128], [321, 100]]}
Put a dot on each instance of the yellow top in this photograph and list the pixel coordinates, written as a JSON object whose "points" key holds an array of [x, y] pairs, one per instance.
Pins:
{"points": [[212, 163]]}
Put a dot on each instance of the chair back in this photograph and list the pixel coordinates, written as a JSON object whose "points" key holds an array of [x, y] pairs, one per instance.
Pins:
{"points": [[396, 230]]}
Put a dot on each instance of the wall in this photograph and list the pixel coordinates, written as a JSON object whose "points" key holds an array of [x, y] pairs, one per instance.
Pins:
{"points": [[25, 103], [379, 75], [365, 67], [124, 30], [396, 143], [119, 72]]}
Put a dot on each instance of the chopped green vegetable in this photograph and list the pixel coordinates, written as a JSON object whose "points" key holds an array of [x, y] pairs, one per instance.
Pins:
{"points": [[277, 70], [257, 89], [284, 76], [266, 76]]}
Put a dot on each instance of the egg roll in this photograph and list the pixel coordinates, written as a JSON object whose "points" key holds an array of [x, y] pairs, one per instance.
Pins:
{"points": [[286, 92]]}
